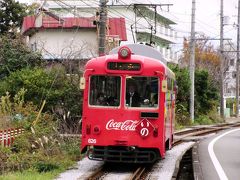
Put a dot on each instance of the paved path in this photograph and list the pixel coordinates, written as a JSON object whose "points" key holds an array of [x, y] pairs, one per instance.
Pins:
{"points": [[219, 156]]}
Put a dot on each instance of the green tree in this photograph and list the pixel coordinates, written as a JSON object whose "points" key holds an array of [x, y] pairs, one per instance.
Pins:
{"points": [[206, 93], [183, 92], [11, 15], [15, 55], [206, 57]]}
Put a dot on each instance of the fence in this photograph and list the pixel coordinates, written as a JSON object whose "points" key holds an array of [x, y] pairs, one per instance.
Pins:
{"points": [[7, 136]]}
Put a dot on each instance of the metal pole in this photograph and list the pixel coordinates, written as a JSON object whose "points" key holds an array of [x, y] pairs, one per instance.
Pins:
{"points": [[192, 61], [237, 62], [221, 61], [102, 27]]}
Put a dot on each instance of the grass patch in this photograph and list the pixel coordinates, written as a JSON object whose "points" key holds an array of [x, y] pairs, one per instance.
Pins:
{"points": [[178, 126], [34, 173], [209, 119], [31, 175]]}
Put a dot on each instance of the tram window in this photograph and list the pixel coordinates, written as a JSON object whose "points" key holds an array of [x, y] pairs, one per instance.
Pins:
{"points": [[105, 90], [169, 84], [141, 92]]}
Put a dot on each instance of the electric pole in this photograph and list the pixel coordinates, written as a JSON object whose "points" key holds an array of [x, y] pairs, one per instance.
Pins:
{"points": [[221, 61], [102, 27], [237, 62], [192, 61]]}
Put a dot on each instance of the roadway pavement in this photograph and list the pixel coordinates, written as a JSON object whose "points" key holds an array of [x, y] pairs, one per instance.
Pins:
{"points": [[219, 156]]}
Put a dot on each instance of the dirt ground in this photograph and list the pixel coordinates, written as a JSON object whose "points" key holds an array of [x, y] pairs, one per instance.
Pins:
{"points": [[232, 119]]}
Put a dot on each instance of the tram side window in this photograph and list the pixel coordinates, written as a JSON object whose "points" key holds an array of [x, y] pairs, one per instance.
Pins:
{"points": [[141, 92], [169, 84], [105, 90]]}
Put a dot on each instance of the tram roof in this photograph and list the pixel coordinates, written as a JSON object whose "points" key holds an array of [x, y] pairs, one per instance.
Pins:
{"points": [[150, 64], [143, 50]]}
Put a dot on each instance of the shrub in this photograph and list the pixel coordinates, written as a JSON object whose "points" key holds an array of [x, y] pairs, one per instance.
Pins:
{"points": [[15, 55], [40, 146], [45, 167], [71, 147], [203, 120], [206, 96], [63, 97]]}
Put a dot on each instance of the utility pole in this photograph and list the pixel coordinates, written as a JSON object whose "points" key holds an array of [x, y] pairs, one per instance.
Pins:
{"points": [[237, 62], [221, 61], [102, 27], [192, 61]]}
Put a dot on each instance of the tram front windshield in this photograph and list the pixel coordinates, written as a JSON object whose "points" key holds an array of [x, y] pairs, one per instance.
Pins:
{"points": [[141, 92], [105, 90]]}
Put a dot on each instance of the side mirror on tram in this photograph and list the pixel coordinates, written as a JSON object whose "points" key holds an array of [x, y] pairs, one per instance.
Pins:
{"points": [[82, 83], [164, 86]]}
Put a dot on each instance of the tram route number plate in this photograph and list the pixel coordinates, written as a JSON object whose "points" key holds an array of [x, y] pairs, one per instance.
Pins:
{"points": [[92, 141]]}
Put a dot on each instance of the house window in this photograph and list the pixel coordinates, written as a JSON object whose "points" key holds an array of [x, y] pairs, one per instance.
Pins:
{"points": [[34, 46], [231, 62], [234, 74]]}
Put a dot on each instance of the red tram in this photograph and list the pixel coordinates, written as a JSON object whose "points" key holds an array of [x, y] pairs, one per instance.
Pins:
{"points": [[128, 108]]}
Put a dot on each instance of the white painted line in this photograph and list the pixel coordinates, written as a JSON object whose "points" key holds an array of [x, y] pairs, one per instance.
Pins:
{"points": [[214, 159]]}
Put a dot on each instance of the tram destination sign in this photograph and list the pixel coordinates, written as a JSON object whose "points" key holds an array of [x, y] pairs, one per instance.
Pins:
{"points": [[124, 66]]}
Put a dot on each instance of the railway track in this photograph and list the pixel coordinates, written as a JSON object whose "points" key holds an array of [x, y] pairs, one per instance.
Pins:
{"points": [[137, 172], [141, 172], [100, 173], [195, 129], [182, 136]]}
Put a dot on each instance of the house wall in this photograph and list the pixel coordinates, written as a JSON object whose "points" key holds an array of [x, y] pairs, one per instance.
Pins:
{"points": [[230, 73], [230, 79], [65, 44], [90, 7]]}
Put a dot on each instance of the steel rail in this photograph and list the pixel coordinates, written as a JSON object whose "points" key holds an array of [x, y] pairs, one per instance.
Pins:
{"points": [[100, 172]]}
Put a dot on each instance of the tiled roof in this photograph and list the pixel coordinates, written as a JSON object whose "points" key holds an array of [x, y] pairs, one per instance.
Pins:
{"points": [[117, 26]]}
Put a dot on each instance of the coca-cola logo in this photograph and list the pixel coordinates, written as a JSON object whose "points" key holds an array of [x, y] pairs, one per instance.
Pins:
{"points": [[128, 125]]}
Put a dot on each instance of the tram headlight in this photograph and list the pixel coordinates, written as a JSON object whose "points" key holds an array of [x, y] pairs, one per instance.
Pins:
{"points": [[96, 130], [124, 52]]}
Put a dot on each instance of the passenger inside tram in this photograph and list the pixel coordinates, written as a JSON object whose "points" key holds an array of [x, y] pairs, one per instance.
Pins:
{"points": [[132, 96], [101, 99]]}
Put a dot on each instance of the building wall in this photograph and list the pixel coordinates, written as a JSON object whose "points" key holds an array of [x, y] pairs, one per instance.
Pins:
{"points": [[230, 79], [164, 33], [230, 74], [65, 44]]}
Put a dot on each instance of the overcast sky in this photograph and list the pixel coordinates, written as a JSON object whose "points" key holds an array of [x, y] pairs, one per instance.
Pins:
{"points": [[207, 16]]}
